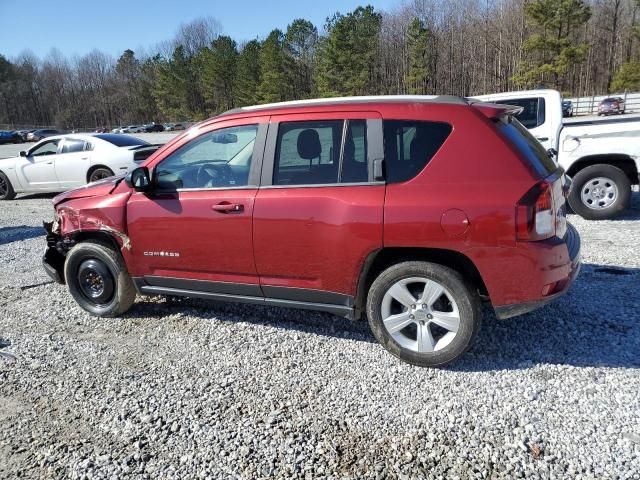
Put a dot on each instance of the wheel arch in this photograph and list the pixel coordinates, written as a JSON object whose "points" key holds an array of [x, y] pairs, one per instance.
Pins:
{"points": [[622, 161], [381, 259]]}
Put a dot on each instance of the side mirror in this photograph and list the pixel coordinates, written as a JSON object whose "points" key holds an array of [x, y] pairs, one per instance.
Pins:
{"points": [[138, 179], [23, 153]]}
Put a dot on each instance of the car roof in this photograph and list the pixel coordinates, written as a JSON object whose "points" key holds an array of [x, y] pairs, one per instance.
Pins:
{"points": [[355, 100]]}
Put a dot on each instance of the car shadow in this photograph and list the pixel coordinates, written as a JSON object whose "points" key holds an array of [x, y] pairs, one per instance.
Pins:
{"points": [[22, 232], [596, 324], [35, 196]]}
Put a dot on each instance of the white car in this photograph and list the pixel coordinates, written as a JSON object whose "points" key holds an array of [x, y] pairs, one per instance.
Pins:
{"points": [[63, 162], [132, 129]]}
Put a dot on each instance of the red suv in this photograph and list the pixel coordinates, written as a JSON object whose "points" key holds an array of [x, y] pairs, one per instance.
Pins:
{"points": [[407, 210]]}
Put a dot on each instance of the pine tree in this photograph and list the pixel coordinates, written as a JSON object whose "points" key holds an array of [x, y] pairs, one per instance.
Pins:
{"points": [[418, 43], [218, 69], [300, 43], [177, 90], [627, 78], [551, 49], [273, 80], [247, 78], [348, 55]]}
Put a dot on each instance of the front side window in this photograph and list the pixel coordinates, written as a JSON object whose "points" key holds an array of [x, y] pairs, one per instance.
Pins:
{"points": [[47, 148], [409, 145], [217, 159], [321, 152]]}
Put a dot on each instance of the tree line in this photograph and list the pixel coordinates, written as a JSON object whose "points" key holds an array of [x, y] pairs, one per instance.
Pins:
{"points": [[467, 47]]}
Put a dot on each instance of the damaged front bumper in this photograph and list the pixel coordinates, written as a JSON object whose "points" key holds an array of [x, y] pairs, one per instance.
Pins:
{"points": [[54, 255]]}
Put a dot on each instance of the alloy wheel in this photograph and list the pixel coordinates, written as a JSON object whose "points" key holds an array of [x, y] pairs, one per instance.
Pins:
{"points": [[420, 314]]}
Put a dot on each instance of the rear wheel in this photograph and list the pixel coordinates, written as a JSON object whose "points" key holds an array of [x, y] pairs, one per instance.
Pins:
{"points": [[100, 174], [600, 192], [423, 313], [98, 279], [6, 189]]}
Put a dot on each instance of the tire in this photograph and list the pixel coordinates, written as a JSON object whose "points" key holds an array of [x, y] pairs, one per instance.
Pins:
{"points": [[6, 189], [596, 181], [444, 347], [93, 257], [100, 173]]}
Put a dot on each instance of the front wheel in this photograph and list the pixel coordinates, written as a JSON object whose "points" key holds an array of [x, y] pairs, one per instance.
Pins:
{"points": [[423, 313], [6, 189], [600, 192], [98, 279]]}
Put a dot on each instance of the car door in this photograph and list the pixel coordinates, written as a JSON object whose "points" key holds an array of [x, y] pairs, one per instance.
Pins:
{"points": [[72, 163], [36, 170], [194, 231], [319, 211]]}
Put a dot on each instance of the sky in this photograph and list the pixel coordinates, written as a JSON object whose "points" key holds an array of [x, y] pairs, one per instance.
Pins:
{"points": [[112, 26]]}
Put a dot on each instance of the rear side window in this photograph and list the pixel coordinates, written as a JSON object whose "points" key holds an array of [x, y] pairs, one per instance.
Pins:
{"points": [[410, 145], [533, 110], [72, 146], [526, 143], [314, 153]]}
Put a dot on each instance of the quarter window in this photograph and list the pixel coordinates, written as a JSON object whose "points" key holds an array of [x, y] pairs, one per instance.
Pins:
{"points": [[321, 152], [410, 145], [221, 158]]}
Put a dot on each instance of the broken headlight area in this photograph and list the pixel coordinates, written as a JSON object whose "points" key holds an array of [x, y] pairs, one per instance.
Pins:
{"points": [[57, 248]]}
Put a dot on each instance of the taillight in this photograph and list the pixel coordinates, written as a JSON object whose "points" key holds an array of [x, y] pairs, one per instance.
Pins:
{"points": [[535, 216]]}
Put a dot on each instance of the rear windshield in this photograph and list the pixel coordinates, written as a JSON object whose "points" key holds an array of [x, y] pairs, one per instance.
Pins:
{"points": [[121, 140], [531, 149]]}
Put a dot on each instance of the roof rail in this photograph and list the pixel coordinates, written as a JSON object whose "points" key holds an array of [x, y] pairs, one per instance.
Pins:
{"points": [[353, 100]]}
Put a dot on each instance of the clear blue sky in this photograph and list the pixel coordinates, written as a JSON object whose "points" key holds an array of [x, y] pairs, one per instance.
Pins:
{"points": [[77, 27]]}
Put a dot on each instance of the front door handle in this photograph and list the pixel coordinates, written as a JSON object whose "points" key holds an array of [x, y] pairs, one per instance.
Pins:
{"points": [[226, 207]]}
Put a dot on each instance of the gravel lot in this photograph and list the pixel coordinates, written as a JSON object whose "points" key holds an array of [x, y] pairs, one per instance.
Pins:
{"points": [[192, 389]]}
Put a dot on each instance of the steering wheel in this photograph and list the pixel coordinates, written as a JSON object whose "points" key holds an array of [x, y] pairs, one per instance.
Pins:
{"points": [[213, 175]]}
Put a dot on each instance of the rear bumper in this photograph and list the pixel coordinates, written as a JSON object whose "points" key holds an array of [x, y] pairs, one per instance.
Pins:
{"points": [[571, 242]]}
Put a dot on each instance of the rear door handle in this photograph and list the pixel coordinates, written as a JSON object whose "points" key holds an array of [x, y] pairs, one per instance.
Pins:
{"points": [[226, 207], [542, 139]]}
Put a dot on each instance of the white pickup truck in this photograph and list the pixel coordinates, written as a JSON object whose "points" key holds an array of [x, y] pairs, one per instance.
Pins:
{"points": [[602, 156]]}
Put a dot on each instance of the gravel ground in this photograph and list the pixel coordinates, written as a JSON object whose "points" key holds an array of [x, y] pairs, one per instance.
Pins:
{"points": [[192, 389]]}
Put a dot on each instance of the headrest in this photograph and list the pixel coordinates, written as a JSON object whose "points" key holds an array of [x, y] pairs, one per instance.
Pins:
{"points": [[309, 144]]}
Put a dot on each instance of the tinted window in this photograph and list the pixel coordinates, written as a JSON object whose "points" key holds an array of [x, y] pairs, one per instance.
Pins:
{"points": [[354, 156], [526, 143], [72, 146], [221, 158], [533, 110], [410, 145], [121, 140], [308, 153]]}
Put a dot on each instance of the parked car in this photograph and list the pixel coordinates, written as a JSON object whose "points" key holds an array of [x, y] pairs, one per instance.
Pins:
{"points": [[117, 130], [62, 162], [101, 130], [154, 127], [611, 105], [170, 127], [567, 108], [24, 134], [7, 136], [132, 129], [37, 135], [601, 155], [410, 209]]}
